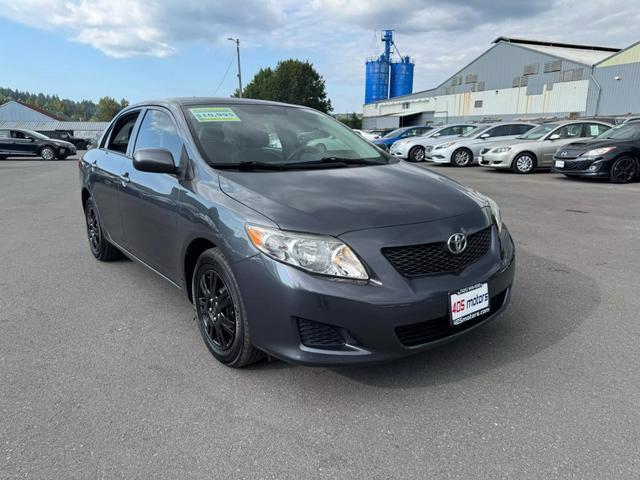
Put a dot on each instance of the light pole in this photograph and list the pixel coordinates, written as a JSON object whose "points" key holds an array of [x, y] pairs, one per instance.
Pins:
{"points": [[237, 42]]}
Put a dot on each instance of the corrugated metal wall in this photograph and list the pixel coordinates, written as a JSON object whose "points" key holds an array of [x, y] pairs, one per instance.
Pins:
{"points": [[617, 96], [15, 111]]}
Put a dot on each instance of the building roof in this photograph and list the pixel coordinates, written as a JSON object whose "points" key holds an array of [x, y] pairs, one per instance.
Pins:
{"points": [[584, 54], [15, 110], [42, 111], [49, 126]]}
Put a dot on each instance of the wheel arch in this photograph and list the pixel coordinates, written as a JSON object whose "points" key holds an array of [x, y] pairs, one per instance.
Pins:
{"points": [[463, 147], [529, 152], [196, 247], [85, 196]]}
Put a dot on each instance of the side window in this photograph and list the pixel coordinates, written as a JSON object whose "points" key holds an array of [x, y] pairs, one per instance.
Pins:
{"points": [[5, 134], [159, 131], [412, 132], [447, 131], [520, 129], [570, 131], [121, 133], [422, 131], [17, 134], [466, 128], [501, 131], [593, 129]]}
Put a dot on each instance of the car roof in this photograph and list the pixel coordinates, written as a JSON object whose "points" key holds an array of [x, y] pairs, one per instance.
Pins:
{"points": [[187, 101]]}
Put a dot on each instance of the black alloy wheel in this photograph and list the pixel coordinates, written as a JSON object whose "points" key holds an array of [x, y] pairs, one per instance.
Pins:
{"points": [[623, 170], [100, 246], [220, 313]]}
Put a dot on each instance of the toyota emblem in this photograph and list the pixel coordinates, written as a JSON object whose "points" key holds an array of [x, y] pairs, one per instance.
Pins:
{"points": [[457, 243]]}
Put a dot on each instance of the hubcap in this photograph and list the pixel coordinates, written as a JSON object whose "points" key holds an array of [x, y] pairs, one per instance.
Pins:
{"points": [[418, 154], [623, 170], [216, 310], [461, 158], [524, 163], [93, 230]]}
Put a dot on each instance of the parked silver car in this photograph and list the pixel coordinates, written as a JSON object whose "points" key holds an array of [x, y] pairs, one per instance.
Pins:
{"points": [[414, 148], [535, 148], [464, 150]]}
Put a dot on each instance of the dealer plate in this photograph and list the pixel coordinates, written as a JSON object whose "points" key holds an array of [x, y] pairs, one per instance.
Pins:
{"points": [[559, 163], [469, 303]]}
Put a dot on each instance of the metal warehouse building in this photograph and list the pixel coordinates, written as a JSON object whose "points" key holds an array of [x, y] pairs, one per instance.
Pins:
{"points": [[523, 79]]}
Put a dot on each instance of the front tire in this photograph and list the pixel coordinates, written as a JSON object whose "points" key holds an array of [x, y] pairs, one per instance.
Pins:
{"points": [[416, 154], [98, 244], [524, 163], [623, 170], [220, 313], [462, 157], [48, 153]]}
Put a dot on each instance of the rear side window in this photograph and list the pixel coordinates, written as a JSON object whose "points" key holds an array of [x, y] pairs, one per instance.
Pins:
{"points": [[159, 131], [594, 129], [121, 133], [520, 129]]}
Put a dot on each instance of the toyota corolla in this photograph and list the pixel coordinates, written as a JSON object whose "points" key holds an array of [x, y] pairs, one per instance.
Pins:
{"points": [[331, 256]]}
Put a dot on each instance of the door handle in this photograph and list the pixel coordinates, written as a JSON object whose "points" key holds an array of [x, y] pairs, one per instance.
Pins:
{"points": [[124, 178]]}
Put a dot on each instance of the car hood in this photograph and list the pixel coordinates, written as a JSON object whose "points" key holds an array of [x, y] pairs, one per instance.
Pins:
{"points": [[62, 143], [335, 201], [589, 144]]}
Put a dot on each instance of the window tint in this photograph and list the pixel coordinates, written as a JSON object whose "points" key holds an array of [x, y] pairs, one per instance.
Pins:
{"points": [[501, 131], [593, 129], [520, 129], [159, 131], [17, 134], [121, 134], [447, 131], [570, 131]]}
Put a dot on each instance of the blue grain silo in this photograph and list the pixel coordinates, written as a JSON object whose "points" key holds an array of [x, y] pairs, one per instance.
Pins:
{"points": [[401, 77], [386, 78]]}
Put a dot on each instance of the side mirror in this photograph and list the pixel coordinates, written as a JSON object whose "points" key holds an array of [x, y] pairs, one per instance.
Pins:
{"points": [[485, 135], [155, 160], [31, 139], [436, 135], [555, 136]]}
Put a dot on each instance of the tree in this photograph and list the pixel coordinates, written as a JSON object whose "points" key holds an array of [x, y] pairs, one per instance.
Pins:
{"points": [[292, 81], [108, 108], [352, 121]]}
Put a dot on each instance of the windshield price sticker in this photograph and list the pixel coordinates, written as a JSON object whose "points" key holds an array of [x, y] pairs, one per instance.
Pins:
{"points": [[214, 114]]}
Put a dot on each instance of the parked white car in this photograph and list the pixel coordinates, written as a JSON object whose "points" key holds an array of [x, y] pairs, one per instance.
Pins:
{"points": [[465, 150], [366, 135], [415, 148]]}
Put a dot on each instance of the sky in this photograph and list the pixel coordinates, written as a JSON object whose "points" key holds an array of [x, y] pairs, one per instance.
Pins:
{"points": [[141, 49]]}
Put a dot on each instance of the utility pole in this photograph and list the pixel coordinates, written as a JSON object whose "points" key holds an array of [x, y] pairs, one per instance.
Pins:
{"points": [[237, 42]]}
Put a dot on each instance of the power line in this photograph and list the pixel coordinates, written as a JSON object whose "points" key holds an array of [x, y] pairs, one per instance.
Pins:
{"points": [[224, 76]]}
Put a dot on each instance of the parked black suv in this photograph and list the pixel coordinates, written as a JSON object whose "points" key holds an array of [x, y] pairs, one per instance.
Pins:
{"points": [[17, 142], [79, 142]]}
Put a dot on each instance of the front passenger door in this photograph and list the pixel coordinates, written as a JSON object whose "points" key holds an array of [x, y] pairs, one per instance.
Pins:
{"points": [[149, 201], [567, 134]]}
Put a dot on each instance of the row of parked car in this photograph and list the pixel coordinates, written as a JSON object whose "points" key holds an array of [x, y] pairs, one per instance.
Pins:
{"points": [[20, 142], [580, 148]]}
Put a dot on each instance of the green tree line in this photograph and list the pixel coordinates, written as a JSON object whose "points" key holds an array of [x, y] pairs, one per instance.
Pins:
{"points": [[69, 110]]}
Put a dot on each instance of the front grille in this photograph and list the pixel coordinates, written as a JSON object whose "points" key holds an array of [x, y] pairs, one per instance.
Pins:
{"points": [[579, 165], [435, 258], [437, 328], [319, 335]]}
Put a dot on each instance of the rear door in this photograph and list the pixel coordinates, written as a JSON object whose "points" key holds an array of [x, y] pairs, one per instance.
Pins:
{"points": [[106, 166], [6, 142], [149, 201]]}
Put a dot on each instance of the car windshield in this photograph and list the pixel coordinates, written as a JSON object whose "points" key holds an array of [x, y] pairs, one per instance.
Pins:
{"points": [[475, 131], [394, 133], [35, 135], [254, 136], [626, 131], [538, 132]]}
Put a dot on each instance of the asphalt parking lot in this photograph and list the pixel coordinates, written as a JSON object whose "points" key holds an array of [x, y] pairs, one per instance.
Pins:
{"points": [[104, 374]]}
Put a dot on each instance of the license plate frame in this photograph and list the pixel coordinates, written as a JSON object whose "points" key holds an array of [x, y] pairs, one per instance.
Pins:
{"points": [[469, 303]]}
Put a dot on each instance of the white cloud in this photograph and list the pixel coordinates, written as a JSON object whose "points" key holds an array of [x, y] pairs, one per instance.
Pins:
{"points": [[336, 35]]}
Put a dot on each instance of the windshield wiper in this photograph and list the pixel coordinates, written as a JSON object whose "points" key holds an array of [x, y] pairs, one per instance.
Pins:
{"points": [[249, 165], [337, 161]]}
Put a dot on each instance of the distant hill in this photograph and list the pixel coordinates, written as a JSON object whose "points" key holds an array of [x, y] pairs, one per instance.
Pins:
{"points": [[67, 109]]}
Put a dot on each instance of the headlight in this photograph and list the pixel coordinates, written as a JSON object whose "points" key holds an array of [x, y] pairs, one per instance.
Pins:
{"points": [[444, 145], [598, 151], [314, 253], [501, 149], [485, 201]]}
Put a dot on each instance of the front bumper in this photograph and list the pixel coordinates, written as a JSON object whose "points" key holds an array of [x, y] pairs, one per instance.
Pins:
{"points": [[442, 155], [370, 315], [595, 167], [399, 152], [496, 160]]}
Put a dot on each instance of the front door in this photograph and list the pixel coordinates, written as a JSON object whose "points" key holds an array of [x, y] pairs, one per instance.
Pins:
{"points": [[149, 201], [566, 134], [23, 144]]}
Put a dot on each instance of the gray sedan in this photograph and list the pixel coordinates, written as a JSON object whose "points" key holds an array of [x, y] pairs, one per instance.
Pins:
{"points": [[535, 148]]}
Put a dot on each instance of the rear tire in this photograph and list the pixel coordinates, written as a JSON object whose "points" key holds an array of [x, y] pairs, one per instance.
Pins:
{"points": [[220, 312], [524, 163], [416, 154], [98, 244], [462, 157], [623, 170], [48, 153]]}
